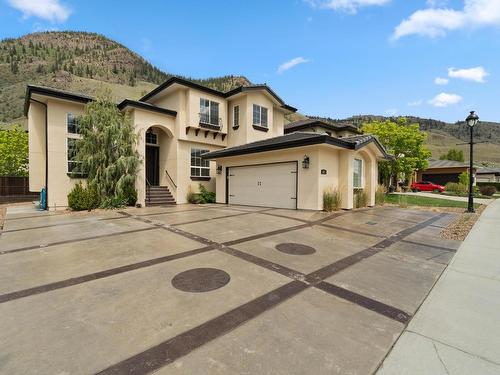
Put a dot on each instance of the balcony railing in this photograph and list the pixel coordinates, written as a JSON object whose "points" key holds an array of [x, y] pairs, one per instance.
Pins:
{"points": [[206, 121]]}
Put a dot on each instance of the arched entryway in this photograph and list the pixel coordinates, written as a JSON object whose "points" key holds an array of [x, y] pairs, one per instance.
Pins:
{"points": [[159, 166]]}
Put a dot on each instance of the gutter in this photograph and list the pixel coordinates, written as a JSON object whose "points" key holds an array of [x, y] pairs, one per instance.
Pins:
{"points": [[46, 153]]}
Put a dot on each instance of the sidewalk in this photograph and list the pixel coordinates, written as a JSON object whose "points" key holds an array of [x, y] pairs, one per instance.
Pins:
{"points": [[448, 197], [457, 328]]}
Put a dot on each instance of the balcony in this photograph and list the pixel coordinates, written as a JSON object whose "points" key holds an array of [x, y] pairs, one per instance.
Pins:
{"points": [[210, 122]]}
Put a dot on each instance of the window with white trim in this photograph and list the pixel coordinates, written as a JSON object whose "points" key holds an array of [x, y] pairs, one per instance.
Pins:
{"points": [[236, 116], [357, 173], [74, 165], [199, 167], [73, 123], [209, 112], [259, 115]]}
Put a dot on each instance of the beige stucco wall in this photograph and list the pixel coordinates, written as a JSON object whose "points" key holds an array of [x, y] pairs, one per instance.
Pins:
{"points": [[238, 136], [337, 162], [36, 143], [59, 183]]}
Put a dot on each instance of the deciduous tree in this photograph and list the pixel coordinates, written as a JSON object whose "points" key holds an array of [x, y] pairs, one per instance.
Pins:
{"points": [[14, 152], [404, 141]]}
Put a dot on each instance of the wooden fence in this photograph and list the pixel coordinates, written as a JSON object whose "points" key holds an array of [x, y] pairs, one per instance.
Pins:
{"points": [[15, 189]]}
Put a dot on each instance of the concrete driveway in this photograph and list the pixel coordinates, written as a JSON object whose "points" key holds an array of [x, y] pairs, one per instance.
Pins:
{"points": [[212, 289]]}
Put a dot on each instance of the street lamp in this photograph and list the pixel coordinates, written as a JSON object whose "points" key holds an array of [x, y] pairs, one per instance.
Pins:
{"points": [[471, 121]]}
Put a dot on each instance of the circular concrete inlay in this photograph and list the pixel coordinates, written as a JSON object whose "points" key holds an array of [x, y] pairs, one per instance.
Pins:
{"points": [[200, 280], [295, 248]]}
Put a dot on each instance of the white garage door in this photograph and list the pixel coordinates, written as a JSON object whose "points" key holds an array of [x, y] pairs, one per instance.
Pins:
{"points": [[266, 185]]}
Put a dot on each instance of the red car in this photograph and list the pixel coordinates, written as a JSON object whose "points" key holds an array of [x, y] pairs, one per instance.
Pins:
{"points": [[426, 186]]}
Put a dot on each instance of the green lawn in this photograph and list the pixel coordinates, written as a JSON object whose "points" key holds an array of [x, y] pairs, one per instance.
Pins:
{"points": [[413, 200]]}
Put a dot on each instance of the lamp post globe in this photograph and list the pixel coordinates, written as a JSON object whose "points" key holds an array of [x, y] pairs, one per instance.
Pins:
{"points": [[471, 121]]}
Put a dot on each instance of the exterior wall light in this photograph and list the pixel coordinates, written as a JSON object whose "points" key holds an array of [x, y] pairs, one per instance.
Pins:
{"points": [[305, 162], [219, 169]]}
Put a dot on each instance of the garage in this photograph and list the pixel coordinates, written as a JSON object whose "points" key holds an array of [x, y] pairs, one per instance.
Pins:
{"points": [[265, 185]]}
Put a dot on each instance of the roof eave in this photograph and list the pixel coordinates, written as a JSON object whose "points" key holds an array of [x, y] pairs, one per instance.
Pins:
{"points": [[136, 104], [45, 91]]}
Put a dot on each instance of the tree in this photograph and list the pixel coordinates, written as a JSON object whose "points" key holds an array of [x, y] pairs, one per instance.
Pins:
{"points": [[108, 152], [453, 154], [404, 141], [14, 152]]}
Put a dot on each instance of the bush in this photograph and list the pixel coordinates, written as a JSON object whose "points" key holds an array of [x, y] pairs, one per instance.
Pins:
{"points": [[488, 190], [191, 197], [331, 200], [206, 196], [403, 200], [81, 198], [463, 178], [130, 195], [360, 199], [455, 188], [380, 195]]}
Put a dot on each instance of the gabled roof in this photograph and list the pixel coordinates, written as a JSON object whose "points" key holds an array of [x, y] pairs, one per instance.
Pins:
{"points": [[311, 122], [194, 85], [55, 93], [433, 163], [82, 98], [297, 139], [146, 106]]}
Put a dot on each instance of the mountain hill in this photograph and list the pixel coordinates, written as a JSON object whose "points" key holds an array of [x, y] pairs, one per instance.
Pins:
{"points": [[443, 135], [80, 62]]}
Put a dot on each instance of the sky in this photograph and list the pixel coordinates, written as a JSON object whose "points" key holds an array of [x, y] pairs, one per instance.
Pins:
{"points": [[429, 58]]}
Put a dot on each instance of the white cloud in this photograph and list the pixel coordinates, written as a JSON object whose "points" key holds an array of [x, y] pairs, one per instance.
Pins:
{"points": [[50, 10], [444, 100], [391, 111], [476, 74], [415, 103], [349, 6], [290, 64], [441, 81], [435, 22]]}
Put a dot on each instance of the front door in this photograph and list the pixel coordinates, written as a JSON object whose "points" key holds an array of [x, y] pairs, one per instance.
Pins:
{"points": [[153, 165]]}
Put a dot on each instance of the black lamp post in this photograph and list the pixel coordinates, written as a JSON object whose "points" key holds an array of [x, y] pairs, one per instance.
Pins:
{"points": [[471, 121]]}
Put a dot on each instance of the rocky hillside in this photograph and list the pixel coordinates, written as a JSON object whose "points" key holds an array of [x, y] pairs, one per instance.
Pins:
{"points": [[442, 136], [82, 62]]}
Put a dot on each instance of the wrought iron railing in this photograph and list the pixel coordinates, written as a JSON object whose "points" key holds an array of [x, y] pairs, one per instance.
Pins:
{"points": [[171, 179], [209, 121]]}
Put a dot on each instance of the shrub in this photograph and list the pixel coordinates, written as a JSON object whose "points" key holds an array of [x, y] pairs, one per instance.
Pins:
{"points": [[129, 195], [206, 196], [331, 200], [191, 197], [360, 199], [403, 201], [455, 188], [81, 198], [380, 195], [463, 178], [488, 190]]}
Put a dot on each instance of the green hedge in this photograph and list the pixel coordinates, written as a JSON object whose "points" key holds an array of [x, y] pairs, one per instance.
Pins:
{"points": [[495, 184]]}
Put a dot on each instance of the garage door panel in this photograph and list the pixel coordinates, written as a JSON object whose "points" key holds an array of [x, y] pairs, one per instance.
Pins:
{"points": [[269, 185]]}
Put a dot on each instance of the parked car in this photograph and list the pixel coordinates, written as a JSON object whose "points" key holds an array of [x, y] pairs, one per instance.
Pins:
{"points": [[426, 186]]}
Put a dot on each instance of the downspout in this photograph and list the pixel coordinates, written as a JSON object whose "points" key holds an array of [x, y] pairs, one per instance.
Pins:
{"points": [[46, 152]]}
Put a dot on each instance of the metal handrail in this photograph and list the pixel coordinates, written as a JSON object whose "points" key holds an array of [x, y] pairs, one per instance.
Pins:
{"points": [[205, 119], [171, 179], [148, 191]]}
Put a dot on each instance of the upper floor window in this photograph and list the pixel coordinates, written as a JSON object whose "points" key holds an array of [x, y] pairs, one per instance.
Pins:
{"points": [[236, 116], [259, 115], [209, 112], [357, 179], [199, 167], [73, 123]]}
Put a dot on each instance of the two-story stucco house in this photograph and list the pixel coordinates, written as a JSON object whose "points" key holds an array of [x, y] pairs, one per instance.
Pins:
{"points": [[235, 143]]}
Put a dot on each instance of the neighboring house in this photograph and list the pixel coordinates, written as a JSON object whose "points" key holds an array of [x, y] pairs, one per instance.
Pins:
{"points": [[182, 125], [488, 175], [442, 171]]}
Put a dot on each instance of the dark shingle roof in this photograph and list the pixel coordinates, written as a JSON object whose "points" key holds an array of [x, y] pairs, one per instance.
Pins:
{"points": [[297, 139], [495, 171], [433, 163], [310, 122]]}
